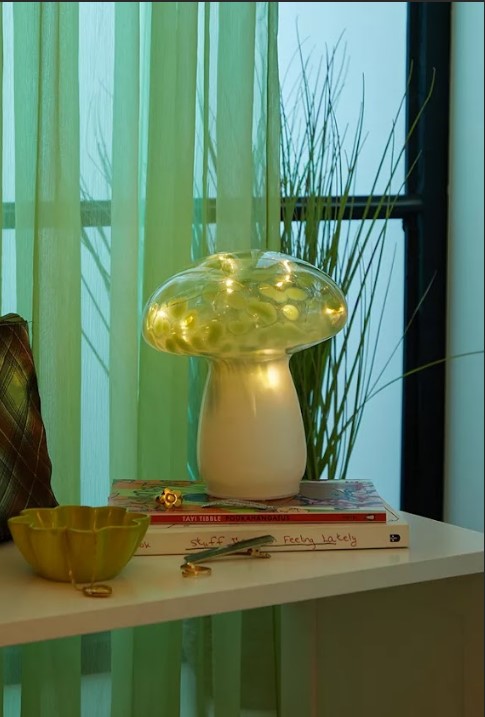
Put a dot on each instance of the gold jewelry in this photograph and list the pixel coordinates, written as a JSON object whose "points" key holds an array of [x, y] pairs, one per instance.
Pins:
{"points": [[97, 590], [170, 498], [189, 570], [191, 567]]}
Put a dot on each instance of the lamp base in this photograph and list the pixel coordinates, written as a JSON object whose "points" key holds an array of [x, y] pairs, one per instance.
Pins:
{"points": [[251, 441]]}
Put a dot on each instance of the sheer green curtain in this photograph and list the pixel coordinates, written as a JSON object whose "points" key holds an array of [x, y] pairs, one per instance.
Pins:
{"points": [[189, 155]]}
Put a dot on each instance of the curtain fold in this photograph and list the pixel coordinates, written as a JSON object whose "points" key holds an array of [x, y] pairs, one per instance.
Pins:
{"points": [[51, 683], [48, 181], [192, 155], [163, 388], [145, 671], [234, 126], [125, 233], [226, 664], [47, 186]]}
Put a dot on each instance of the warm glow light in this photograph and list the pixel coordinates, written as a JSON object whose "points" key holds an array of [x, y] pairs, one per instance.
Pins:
{"points": [[268, 375], [244, 305], [228, 264], [248, 313], [287, 279], [272, 377], [334, 314]]}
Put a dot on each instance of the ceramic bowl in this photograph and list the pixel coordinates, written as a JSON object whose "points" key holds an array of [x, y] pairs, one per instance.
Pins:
{"points": [[78, 543]]}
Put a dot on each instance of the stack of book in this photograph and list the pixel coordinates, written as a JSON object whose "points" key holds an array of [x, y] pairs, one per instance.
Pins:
{"points": [[325, 515]]}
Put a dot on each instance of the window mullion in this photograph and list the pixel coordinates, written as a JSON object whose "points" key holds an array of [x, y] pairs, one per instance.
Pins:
{"points": [[429, 29]]}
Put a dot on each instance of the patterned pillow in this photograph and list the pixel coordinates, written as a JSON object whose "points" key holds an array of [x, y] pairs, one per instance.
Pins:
{"points": [[25, 466]]}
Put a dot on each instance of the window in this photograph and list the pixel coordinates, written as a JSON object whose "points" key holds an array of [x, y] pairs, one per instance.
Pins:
{"points": [[360, 35], [417, 35], [385, 33]]}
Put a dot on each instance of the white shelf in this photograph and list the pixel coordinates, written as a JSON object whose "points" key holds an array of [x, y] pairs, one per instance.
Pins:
{"points": [[151, 589]]}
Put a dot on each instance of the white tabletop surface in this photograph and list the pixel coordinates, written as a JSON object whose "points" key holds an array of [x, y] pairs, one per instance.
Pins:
{"points": [[152, 589]]}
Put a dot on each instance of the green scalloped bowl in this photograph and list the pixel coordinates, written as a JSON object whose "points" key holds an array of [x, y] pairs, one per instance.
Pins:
{"points": [[91, 544]]}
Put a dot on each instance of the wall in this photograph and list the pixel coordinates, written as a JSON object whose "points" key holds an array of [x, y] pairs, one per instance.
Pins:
{"points": [[464, 471]]}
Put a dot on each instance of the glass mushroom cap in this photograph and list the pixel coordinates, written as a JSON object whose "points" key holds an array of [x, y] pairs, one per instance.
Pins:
{"points": [[240, 304]]}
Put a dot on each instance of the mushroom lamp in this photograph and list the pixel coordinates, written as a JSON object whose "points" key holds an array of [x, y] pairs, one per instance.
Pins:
{"points": [[247, 313]]}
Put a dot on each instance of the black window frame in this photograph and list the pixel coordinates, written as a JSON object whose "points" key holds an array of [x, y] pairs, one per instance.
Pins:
{"points": [[426, 244]]}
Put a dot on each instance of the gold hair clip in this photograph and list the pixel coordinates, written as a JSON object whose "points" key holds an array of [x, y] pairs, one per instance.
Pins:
{"points": [[170, 498], [191, 566]]}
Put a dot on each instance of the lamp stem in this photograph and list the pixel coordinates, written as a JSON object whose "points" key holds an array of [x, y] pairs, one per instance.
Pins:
{"points": [[251, 441]]}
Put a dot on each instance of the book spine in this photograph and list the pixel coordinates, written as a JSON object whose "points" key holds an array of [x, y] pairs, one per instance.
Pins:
{"points": [[173, 517], [161, 540]]}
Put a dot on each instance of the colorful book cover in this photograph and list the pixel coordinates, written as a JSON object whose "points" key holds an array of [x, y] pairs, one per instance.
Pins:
{"points": [[186, 539], [317, 501]]}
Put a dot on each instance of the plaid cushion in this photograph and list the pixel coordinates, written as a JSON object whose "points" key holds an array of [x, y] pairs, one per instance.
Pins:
{"points": [[25, 466]]}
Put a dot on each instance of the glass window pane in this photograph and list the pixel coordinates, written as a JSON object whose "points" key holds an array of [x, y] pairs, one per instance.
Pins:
{"points": [[95, 266], [377, 451], [368, 353], [8, 140], [369, 65], [371, 55], [9, 276], [96, 66]]}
